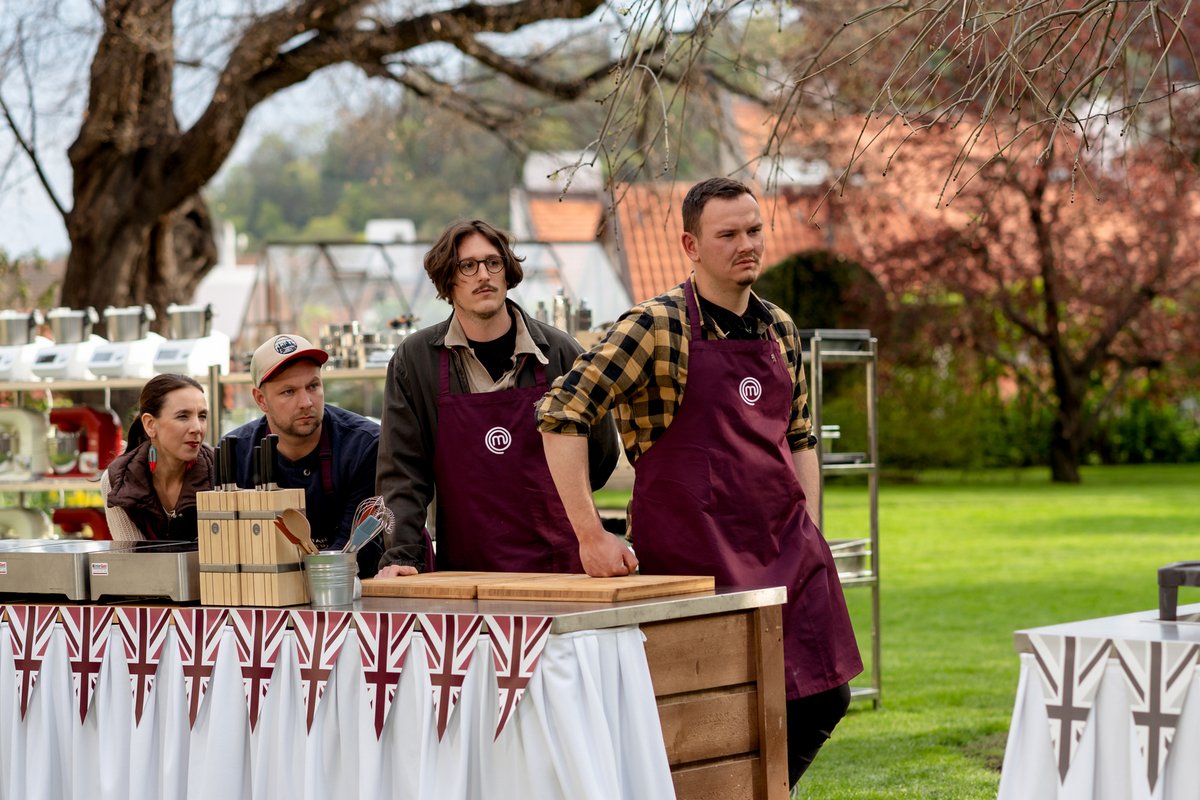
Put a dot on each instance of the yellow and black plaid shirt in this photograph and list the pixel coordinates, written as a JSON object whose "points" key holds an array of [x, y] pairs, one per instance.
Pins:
{"points": [[640, 368]]}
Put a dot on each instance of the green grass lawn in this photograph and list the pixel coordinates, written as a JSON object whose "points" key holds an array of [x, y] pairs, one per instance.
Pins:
{"points": [[967, 560]]}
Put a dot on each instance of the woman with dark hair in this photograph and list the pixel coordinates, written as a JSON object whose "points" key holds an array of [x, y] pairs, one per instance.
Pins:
{"points": [[150, 489]]}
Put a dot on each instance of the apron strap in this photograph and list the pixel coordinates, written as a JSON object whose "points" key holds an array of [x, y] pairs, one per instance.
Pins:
{"points": [[693, 311]]}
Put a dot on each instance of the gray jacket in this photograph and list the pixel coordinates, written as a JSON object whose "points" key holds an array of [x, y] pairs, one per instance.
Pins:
{"points": [[404, 475]]}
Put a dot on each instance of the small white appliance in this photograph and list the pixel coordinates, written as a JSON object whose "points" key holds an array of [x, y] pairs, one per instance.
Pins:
{"points": [[131, 347], [23, 444], [19, 344], [194, 346], [68, 356]]}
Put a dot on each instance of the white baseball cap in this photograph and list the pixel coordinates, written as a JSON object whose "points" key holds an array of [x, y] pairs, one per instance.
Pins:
{"points": [[279, 351]]}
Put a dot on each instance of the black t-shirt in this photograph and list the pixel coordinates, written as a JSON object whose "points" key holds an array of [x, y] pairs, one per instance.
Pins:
{"points": [[497, 355], [735, 326]]}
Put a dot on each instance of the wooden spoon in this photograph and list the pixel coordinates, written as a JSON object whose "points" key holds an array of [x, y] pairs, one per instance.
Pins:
{"points": [[297, 525]]}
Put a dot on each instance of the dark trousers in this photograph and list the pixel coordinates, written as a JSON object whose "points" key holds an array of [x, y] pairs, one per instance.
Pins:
{"points": [[810, 722]]}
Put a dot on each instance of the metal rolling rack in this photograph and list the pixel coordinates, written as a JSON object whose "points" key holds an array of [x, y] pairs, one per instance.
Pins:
{"points": [[857, 559]]}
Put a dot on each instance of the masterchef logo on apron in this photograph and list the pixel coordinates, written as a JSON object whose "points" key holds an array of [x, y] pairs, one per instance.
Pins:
{"points": [[497, 440], [750, 390]]}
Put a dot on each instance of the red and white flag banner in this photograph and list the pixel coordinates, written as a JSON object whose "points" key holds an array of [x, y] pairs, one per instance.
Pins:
{"points": [[258, 633], [319, 638], [449, 646], [87, 629], [29, 629], [517, 644], [198, 631], [383, 641], [143, 632]]}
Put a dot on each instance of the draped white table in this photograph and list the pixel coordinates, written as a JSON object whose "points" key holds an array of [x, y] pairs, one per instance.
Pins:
{"points": [[1107, 709], [257, 706]]}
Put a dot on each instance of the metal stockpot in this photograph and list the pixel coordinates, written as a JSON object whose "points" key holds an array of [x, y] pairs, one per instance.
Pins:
{"points": [[189, 322], [128, 324], [71, 325], [19, 327]]}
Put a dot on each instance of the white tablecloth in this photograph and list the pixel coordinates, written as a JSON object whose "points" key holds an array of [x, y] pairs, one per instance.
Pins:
{"points": [[587, 727], [1110, 758]]}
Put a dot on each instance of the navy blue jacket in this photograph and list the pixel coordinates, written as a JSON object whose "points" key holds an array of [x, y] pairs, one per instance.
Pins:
{"points": [[354, 440]]}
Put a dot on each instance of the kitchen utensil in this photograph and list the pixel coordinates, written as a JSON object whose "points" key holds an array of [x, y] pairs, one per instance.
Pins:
{"points": [[364, 532], [297, 525], [291, 537], [585, 589]]}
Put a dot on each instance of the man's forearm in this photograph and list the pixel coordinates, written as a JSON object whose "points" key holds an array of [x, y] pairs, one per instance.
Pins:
{"points": [[567, 458], [601, 553]]}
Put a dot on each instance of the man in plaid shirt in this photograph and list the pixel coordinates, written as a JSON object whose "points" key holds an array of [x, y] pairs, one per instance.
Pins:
{"points": [[726, 484]]}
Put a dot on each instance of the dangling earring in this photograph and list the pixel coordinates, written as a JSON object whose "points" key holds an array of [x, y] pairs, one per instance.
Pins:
{"points": [[153, 457]]}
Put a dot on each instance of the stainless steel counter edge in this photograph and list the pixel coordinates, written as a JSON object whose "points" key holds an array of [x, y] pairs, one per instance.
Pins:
{"points": [[1137, 626]]}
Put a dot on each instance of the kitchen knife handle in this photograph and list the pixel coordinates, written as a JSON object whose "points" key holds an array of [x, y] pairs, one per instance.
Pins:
{"points": [[256, 467], [229, 468], [270, 446]]}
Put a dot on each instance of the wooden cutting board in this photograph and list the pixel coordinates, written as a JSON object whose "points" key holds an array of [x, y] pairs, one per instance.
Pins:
{"points": [[446, 585], [581, 588]]}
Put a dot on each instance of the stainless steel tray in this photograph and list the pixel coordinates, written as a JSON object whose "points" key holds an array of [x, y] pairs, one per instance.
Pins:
{"points": [[84, 570], [47, 566], [146, 569]]}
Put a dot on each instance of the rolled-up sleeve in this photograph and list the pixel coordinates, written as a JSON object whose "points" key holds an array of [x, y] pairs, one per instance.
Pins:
{"points": [[613, 371]]}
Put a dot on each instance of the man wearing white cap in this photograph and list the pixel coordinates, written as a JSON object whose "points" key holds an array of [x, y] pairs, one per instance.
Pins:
{"points": [[325, 450]]}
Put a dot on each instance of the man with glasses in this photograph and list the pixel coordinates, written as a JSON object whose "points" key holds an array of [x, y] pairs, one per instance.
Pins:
{"points": [[458, 423]]}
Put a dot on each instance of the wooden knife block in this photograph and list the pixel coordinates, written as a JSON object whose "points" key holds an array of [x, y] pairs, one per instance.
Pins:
{"points": [[244, 560]]}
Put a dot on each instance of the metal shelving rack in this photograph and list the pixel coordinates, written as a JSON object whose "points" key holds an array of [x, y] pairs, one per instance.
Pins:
{"points": [[855, 347]]}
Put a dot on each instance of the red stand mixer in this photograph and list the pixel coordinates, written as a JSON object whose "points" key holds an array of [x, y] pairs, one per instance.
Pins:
{"points": [[100, 439]]}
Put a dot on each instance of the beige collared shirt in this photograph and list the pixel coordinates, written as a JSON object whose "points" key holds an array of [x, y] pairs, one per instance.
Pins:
{"points": [[479, 379]]}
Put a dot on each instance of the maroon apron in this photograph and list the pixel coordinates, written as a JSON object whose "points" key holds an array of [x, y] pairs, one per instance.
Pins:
{"points": [[717, 494], [498, 510]]}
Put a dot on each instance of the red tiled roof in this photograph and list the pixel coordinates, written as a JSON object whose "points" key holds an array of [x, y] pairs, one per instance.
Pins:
{"points": [[565, 219], [650, 228]]}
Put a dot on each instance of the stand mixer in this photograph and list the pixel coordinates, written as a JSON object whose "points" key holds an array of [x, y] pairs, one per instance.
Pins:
{"points": [[97, 438], [19, 344], [131, 346], [24, 523], [194, 346], [68, 356], [23, 432]]}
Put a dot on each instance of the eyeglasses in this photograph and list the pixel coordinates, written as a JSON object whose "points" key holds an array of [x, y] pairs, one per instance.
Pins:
{"points": [[469, 266]]}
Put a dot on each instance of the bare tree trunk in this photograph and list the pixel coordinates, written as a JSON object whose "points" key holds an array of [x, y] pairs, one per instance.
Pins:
{"points": [[1067, 439]]}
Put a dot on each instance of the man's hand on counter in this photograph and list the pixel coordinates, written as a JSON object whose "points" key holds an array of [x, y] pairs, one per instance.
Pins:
{"points": [[605, 555], [395, 571]]}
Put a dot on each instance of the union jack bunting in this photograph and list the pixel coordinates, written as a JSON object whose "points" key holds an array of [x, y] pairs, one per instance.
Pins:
{"points": [[383, 642], [1070, 668], [449, 645], [319, 639], [199, 633], [29, 628], [87, 629], [1158, 675], [143, 632], [258, 633], [517, 643]]}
